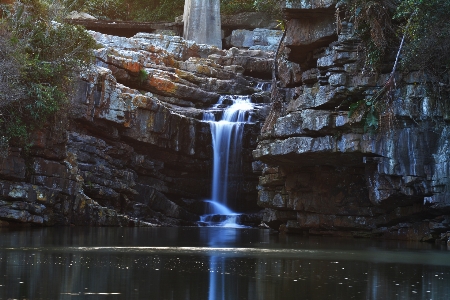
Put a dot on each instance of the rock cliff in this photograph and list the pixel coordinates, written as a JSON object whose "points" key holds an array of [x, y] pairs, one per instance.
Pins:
{"points": [[321, 172], [135, 151]]}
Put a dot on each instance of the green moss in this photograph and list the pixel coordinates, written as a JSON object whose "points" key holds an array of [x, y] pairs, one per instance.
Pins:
{"points": [[142, 76]]}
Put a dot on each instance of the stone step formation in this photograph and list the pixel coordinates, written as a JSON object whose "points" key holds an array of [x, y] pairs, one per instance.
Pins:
{"points": [[322, 172], [136, 151]]}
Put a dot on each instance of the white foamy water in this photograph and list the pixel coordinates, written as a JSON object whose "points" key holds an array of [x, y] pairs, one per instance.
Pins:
{"points": [[227, 145]]}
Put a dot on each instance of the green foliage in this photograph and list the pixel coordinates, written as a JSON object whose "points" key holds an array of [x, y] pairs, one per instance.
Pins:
{"points": [[89, 185], [427, 31], [4, 146], [136, 10], [371, 120], [229, 7], [271, 6], [354, 107], [107, 9], [17, 129], [165, 10], [418, 31], [281, 25], [43, 58], [367, 111], [46, 100], [372, 19], [382, 23], [142, 76]]}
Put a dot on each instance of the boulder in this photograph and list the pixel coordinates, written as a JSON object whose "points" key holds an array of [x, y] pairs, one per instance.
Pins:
{"points": [[257, 39], [80, 15]]}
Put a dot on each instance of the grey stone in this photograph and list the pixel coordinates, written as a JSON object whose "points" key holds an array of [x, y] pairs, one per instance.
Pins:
{"points": [[310, 4], [202, 22], [340, 179], [258, 39]]}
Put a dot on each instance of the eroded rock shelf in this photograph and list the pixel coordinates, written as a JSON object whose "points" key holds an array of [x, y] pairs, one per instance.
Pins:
{"points": [[137, 153], [323, 173]]}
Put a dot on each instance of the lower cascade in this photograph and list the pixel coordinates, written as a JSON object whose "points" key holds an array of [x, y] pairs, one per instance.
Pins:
{"points": [[227, 119]]}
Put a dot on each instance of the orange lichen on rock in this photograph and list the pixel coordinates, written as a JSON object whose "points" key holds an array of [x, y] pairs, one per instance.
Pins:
{"points": [[127, 124], [153, 58], [170, 61], [162, 85], [40, 139], [205, 70], [187, 76], [132, 66]]}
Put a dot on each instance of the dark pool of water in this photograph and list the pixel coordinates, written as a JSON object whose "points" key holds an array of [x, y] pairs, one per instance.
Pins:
{"points": [[214, 263]]}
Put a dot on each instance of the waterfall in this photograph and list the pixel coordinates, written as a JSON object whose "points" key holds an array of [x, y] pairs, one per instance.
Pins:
{"points": [[202, 22], [227, 144], [264, 86]]}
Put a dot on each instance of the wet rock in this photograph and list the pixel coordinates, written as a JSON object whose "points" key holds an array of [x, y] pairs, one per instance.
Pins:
{"points": [[157, 44], [323, 172], [262, 97], [255, 63], [19, 215], [80, 15], [158, 202], [12, 166], [290, 73], [135, 146]]}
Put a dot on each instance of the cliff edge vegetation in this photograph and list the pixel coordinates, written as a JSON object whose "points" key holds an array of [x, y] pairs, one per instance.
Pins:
{"points": [[413, 34], [40, 58], [357, 142], [162, 10]]}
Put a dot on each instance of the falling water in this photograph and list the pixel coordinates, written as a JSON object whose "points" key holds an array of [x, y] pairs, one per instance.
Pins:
{"points": [[264, 86], [227, 143]]}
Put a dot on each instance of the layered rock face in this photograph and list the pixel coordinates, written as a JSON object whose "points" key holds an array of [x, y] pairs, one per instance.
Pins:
{"points": [[321, 172], [135, 151]]}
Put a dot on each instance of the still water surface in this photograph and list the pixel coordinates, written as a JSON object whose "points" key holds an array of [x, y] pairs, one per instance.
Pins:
{"points": [[214, 263]]}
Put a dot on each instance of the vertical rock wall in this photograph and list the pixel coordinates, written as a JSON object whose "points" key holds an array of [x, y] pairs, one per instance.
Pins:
{"points": [[322, 172]]}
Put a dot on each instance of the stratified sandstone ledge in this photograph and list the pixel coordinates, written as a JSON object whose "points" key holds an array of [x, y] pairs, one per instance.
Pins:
{"points": [[135, 151], [322, 173]]}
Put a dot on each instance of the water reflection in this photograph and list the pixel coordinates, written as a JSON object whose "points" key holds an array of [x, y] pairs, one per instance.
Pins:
{"points": [[220, 285], [214, 263]]}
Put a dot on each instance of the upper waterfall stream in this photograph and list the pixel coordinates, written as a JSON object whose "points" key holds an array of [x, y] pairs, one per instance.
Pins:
{"points": [[227, 127]]}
